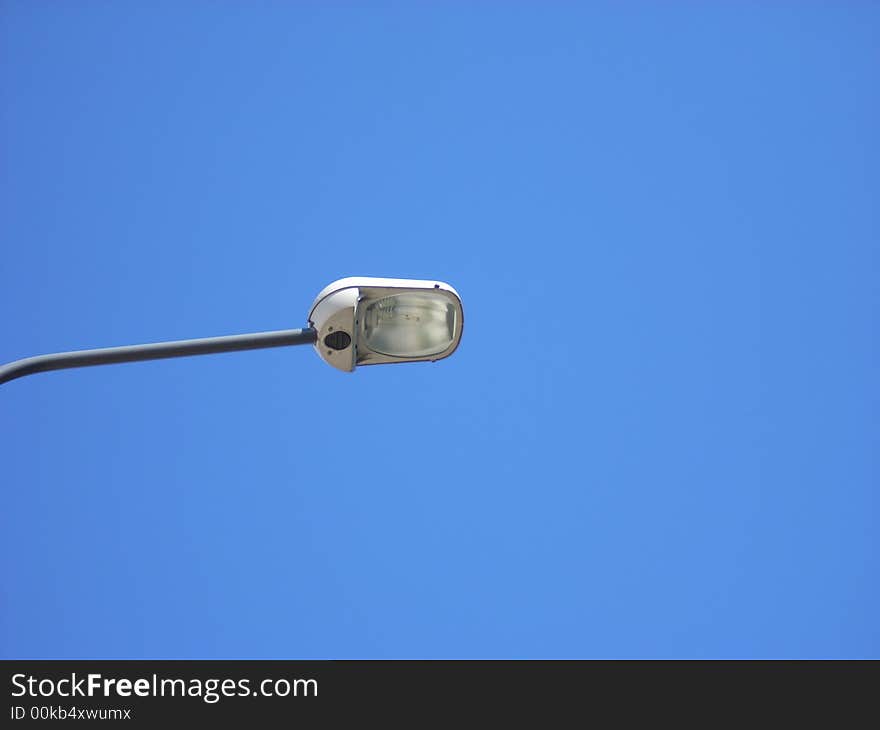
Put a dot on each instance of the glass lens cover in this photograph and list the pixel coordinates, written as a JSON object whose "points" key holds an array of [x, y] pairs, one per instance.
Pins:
{"points": [[409, 324]]}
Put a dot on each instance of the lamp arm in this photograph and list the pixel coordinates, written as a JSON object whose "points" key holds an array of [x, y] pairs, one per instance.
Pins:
{"points": [[155, 351]]}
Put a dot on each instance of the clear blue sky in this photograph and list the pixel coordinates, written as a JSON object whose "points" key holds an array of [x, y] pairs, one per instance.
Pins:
{"points": [[659, 437]]}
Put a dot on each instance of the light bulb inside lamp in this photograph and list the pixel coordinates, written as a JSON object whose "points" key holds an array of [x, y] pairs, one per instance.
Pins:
{"points": [[409, 324]]}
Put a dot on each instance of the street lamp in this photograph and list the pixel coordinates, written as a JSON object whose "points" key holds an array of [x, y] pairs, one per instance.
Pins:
{"points": [[353, 321]]}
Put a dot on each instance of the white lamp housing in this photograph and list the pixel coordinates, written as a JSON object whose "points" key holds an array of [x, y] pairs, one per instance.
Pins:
{"points": [[367, 321]]}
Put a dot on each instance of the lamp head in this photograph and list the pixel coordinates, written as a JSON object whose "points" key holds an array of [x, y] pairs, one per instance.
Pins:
{"points": [[368, 321]]}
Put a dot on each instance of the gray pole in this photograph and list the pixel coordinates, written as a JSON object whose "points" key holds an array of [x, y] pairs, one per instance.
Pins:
{"points": [[155, 351]]}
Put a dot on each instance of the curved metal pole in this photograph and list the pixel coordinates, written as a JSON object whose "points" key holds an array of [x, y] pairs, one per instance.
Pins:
{"points": [[155, 351]]}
